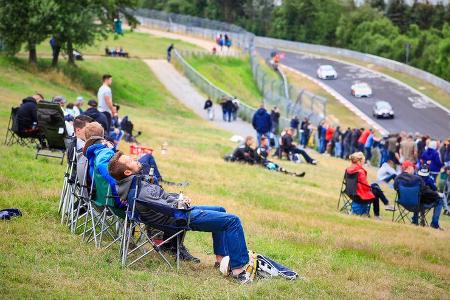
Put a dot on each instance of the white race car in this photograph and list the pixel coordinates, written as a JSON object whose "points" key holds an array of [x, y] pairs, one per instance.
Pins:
{"points": [[361, 89], [326, 72], [383, 109]]}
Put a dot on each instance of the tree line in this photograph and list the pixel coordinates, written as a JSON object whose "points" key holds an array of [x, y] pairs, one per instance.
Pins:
{"points": [[27, 23], [417, 34]]}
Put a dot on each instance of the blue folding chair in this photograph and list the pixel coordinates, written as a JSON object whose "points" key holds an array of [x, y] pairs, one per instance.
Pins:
{"points": [[408, 203], [135, 225]]}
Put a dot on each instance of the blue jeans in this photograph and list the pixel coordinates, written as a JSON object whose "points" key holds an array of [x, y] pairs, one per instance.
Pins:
{"points": [[368, 154], [322, 145], [436, 214], [389, 178], [227, 233], [259, 135]]}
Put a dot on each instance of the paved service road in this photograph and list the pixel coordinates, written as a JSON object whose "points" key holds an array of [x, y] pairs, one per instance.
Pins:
{"points": [[413, 113]]}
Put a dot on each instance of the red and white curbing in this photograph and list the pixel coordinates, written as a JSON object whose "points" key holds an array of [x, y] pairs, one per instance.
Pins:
{"points": [[343, 100]]}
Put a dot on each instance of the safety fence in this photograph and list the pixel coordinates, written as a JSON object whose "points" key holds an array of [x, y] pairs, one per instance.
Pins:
{"points": [[301, 103]]}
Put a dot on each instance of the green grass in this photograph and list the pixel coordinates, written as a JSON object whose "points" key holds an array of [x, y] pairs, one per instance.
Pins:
{"points": [[137, 44], [291, 220], [232, 74]]}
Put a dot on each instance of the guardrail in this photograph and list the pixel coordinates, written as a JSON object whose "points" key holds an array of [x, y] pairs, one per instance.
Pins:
{"points": [[301, 103], [369, 58]]}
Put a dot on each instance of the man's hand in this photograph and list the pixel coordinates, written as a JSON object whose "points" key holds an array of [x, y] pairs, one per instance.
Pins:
{"points": [[187, 201]]}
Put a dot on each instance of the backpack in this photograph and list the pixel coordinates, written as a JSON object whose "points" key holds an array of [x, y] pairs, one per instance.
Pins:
{"points": [[8, 213], [268, 268]]}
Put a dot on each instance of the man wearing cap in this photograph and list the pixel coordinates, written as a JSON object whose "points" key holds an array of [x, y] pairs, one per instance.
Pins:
{"points": [[97, 116], [77, 107], [427, 195]]}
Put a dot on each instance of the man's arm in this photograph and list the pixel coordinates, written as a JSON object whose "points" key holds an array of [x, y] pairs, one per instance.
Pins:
{"points": [[108, 100]]}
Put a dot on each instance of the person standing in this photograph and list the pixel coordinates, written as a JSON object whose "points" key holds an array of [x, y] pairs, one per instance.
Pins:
{"points": [[368, 146], [275, 117], [408, 150], [209, 108], [304, 129], [262, 123], [105, 102], [431, 157], [169, 52], [236, 104]]}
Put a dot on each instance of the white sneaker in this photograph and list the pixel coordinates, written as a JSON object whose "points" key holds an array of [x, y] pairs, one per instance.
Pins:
{"points": [[389, 207]]}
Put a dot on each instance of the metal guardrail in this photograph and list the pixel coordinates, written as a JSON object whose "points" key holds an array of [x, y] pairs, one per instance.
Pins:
{"points": [[301, 102]]}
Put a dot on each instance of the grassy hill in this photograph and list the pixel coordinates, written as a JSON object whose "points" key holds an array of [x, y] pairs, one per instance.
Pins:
{"points": [[289, 219]]}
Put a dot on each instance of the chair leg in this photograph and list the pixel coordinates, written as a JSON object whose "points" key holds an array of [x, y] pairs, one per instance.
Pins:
{"points": [[178, 252]]}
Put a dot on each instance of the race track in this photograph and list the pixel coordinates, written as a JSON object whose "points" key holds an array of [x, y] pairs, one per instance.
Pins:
{"points": [[413, 113]]}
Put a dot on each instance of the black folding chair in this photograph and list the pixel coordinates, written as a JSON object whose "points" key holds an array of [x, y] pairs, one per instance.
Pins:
{"points": [[348, 193], [135, 225], [13, 136], [53, 128]]}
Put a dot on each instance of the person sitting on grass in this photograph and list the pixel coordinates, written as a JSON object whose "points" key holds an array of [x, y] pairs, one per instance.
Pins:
{"points": [[427, 195], [365, 193], [262, 155], [228, 234], [245, 152], [290, 147], [387, 171]]}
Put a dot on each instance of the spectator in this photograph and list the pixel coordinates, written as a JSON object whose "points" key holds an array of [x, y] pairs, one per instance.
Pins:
{"points": [[445, 153], [228, 234], [363, 138], [275, 117], [427, 196], [387, 172], [354, 140], [295, 123], [209, 108], [78, 104], [105, 101], [368, 145], [408, 149], [169, 52], [431, 157], [80, 162], [347, 143], [27, 116], [235, 107], [97, 116], [245, 152], [321, 132], [289, 147], [262, 123], [421, 144], [365, 193], [305, 131], [329, 138], [392, 149]]}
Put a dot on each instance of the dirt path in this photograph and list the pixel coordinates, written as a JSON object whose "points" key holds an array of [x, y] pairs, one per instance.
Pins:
{"points": [[185, 92]]}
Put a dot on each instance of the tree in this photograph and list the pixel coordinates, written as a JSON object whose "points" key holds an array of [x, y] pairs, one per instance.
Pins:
{"points": [[25, 22], [377, 4], [398, 12]]}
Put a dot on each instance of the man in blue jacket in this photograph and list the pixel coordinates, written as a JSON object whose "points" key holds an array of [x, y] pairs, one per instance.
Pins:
{"points": [[262, 123], [27, 116]]}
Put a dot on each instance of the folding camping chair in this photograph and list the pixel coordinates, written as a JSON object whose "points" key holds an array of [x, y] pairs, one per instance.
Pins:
{"points": [[348, 193], [408, 202], [68, 190], [102, 218], [13, 136], [135, 225], [53, 127]]}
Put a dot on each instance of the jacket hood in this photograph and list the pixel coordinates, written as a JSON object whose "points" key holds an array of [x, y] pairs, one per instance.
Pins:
{"points": [[93, 149], [261, 111], [29, 99], [124, 186]]}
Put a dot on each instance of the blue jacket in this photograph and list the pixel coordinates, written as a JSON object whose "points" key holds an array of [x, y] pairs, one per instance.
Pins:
{"points": [[294, 123], [262, 121], [433, 156], [369, 141], [99, 156], [430, 182]]}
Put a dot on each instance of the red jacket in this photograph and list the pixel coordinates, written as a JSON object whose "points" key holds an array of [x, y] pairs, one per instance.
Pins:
{"points": [[363, 138], [329, 134], [363, 189]]}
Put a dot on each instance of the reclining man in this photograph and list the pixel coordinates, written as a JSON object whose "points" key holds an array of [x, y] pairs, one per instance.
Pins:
{"points": [[226, 229], [427, 195], [27, 116], [262, 154], [244, 153], [289, 147]]}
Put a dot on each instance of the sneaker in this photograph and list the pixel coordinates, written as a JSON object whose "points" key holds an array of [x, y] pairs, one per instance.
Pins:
{"points": [[378, 218], [389, 207], [438, 228], [314, 162], [447, 213], [243, 278], [302, 174]]}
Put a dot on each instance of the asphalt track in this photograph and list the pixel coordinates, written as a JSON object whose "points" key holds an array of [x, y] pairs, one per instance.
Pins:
{"points": [[413, 112]]}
